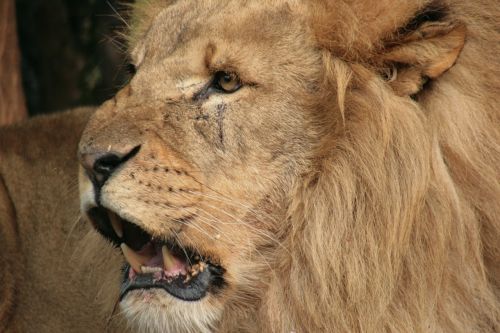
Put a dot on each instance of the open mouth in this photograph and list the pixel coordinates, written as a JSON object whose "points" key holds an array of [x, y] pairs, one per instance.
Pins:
{"points": [[158, 264]]}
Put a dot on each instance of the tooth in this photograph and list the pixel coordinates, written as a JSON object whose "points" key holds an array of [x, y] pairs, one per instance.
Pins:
{"points": [[168, 259], [135, 260], [117, 225], [150, 270], [202, 266]]}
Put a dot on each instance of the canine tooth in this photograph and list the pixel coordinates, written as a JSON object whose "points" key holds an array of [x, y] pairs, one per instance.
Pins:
{"points": [[117, 225], [202, 266], [149, 270], [168, 259], [135, 260]]}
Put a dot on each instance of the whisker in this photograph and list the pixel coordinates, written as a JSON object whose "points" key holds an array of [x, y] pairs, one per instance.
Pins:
{"points": [[71, 230], [249, 246], [120, 17], [238, 204], [212, 224], [116, 43], [197, 228], [176, 235], [108, 322], [254, 229]]}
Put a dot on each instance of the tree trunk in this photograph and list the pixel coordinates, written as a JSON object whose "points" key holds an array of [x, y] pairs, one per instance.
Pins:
{"points": [[12, 103]]}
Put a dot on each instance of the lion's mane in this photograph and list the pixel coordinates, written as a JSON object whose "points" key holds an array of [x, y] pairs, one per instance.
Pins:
{"points": [[399, 228]]}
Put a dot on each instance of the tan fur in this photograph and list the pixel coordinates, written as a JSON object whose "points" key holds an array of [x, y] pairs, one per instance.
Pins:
{"points": [[338, 200], [50, 281]]}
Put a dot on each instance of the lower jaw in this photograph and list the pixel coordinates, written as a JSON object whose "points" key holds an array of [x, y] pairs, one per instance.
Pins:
{"points": [[191, 291]]}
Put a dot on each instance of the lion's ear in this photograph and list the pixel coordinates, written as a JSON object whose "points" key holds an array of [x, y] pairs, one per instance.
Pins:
{"points": [[425, 53]]}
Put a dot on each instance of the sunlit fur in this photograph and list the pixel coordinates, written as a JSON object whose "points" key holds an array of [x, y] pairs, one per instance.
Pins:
{"points": [[168, 314], [383, 216]]}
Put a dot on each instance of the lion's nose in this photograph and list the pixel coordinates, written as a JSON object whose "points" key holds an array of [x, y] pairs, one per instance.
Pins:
{"points": [[101, 165]]}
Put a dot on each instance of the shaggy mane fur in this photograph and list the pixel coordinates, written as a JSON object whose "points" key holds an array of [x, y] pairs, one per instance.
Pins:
{"points": [[398, 229]]}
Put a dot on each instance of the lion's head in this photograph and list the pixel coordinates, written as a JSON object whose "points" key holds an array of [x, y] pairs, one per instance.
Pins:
{"points": [[281, 165]]}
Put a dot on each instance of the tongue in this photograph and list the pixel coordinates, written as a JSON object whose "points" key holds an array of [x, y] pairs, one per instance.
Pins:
{"points": [[156, 261], [155, 258]]}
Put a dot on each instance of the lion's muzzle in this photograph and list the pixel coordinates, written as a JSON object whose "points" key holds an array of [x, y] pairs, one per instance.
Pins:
{"points": [[101, 165], [153, 261]]}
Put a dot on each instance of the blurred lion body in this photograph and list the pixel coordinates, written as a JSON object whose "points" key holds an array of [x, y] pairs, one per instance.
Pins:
{"points": [[394, 225], [45, 285]]}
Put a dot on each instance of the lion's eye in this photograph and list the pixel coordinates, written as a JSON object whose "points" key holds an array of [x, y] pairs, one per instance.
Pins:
{"points": [[227, 82]]}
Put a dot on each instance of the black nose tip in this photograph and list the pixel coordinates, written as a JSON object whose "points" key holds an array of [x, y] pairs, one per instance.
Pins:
{"points": [[105, 166], [100, 166]]}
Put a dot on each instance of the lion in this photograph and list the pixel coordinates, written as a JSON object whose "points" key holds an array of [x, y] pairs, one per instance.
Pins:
{"points": [[291, 166], [303, 166], [47, 284]]}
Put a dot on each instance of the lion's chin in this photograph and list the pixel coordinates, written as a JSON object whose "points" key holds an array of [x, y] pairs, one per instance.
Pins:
{"points": [[155, 310]]}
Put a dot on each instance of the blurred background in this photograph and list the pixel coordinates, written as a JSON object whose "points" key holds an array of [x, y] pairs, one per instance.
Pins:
{"points": [[70, 52]]}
